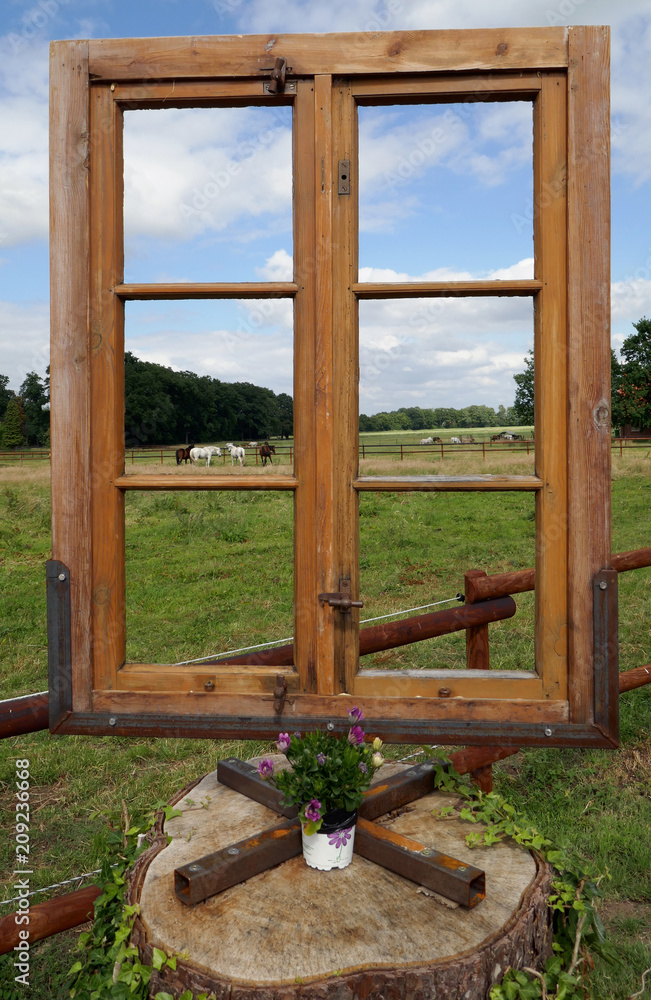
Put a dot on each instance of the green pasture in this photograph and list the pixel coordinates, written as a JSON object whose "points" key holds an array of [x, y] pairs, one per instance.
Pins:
{"points": [[212, 572]]}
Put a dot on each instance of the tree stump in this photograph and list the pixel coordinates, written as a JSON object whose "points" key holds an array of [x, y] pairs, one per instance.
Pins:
{"points": [[295, 932]]}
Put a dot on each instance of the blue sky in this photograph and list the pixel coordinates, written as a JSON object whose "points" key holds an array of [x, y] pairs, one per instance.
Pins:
{"points": [[444, 191]]}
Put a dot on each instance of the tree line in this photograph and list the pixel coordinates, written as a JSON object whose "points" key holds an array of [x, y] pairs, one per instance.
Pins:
{"points": [[630, 382], [167, 407], [416, 418], [161, 407]]}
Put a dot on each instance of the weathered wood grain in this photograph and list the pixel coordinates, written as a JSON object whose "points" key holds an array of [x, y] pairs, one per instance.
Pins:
{"points": [[337, 53], [286, 931], [588, 318], [69, 342]]}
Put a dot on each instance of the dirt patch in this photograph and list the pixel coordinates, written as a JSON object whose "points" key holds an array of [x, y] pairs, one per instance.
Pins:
{"points": [[631, 766], [617, 911]]}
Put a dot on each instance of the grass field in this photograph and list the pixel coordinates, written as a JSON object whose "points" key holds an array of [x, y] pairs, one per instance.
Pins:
{"points": [[211, 572]]}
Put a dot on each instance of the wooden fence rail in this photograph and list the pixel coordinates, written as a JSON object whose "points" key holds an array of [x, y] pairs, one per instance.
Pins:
{"points": [[440, 450]]}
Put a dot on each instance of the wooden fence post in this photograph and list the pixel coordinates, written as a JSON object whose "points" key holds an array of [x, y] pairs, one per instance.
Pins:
{"points": [[477, 658]]}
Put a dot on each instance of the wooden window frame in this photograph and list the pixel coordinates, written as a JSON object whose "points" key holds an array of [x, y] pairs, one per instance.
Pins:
{"points": [[571, 698]]}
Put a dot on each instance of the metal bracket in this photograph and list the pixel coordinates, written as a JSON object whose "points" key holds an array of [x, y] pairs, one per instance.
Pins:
{"points": [[606, 652], [343, 186], [213, 873], [59, 654]]}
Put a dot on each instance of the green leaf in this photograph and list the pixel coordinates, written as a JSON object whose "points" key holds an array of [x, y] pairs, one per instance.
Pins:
{"points": [[158, 959]]}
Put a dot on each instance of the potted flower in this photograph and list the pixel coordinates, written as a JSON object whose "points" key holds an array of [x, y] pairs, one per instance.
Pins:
{"points": [[327, 778]]}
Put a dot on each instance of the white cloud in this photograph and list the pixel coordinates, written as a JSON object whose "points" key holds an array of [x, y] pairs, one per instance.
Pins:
{"points": [[23, 144], [279, 267], [198, 171], [24, 340]]}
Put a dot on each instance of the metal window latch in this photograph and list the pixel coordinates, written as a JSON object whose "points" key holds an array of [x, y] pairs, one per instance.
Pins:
{"points": [[277, 84], [341, 600]]}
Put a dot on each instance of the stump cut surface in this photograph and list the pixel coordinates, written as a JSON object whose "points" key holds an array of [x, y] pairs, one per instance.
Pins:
{"points": [[292, 926]]}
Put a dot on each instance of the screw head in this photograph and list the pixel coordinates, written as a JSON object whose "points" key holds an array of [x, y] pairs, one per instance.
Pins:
{"points": [[426, 852], [112, 721], [194, 868], [62, 576], [462, 868], [233, 850], [548, 731], [330, 726], [602, 585]]}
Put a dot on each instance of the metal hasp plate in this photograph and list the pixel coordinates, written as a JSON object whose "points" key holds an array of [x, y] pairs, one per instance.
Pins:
{"points": [[216, 872]]}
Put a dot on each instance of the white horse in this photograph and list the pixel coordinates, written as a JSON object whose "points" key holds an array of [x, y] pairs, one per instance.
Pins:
{"points": [[427, 441], [196, 454], [236, 453], [455, 440]]}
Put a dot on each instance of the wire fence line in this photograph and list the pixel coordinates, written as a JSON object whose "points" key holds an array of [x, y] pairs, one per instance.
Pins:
{"points": [[290, 638], [406, 450]]}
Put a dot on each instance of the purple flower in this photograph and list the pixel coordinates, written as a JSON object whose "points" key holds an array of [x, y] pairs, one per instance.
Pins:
{"points": [[340, 838], [363, 767], [321, 758], [313, 811], [355, 714], [266, 768], [356, 735], [283, 741]]}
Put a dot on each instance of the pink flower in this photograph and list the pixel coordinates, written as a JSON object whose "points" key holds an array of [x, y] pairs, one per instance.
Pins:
{"points": [[283, 742], [356, 735], [313, 811], [355, 714], [266, 768]]}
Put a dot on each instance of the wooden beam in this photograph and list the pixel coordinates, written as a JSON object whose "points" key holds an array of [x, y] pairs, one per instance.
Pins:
{"points": [[116, 59], [69, 352], [218, 481], [208, 290], [588, 358], [444, 289], [27, 714], [441, 484], [630, 679], [52, 917]]}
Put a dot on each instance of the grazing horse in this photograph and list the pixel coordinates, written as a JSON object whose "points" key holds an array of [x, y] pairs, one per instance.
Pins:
{"points": [[196, 454], [183, 454], [236, 453], [265, 452], [455, 440], [427, 440]]}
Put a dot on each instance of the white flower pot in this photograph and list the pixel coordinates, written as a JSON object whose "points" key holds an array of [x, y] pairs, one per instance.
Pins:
{"points": [[332, 845]]}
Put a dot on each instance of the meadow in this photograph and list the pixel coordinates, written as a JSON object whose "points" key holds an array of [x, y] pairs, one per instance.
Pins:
{"points": [[207, 573]]}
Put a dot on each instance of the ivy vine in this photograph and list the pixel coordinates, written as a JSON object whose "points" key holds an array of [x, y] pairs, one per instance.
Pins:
{"points": [[578, 929], [109, 967]]}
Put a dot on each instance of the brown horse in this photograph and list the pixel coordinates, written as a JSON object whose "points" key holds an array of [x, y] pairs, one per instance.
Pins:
{"points": [[183, 454], [265, 452]]}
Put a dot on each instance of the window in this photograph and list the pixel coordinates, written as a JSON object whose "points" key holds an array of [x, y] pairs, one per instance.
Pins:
{"points": [[555, 79]]}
